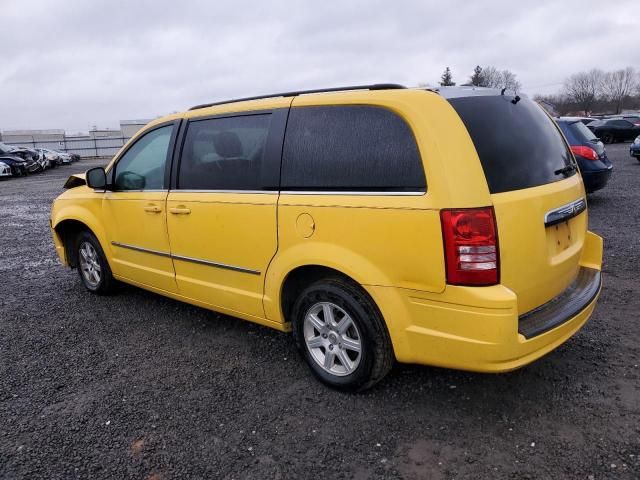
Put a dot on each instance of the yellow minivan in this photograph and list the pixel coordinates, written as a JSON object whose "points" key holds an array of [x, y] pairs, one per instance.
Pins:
{"points": [[377, 223]]}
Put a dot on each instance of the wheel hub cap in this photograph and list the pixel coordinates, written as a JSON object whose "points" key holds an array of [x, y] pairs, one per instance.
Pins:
{"points": [[332, 338], [89, 264]]}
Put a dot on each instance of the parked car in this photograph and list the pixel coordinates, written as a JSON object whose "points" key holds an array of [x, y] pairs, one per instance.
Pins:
{"points": [[30, 156], [378, 224], [61, 158], [18, 165], [5, 170], [589, 151], [27, 156], [51, 156], [631, 117], [614, 130], [49, 160], [634, 150], [585, 120]]}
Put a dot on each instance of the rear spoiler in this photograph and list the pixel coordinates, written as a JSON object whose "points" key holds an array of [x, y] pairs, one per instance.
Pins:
{"points": [[75, 180]]}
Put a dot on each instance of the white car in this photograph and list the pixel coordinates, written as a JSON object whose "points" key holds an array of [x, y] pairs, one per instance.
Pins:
{"points": [[5, 170], [59, 157]]}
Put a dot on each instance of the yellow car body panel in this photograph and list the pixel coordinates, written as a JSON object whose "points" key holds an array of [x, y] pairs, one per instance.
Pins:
{"points": [[389, 244], [232, 229]]}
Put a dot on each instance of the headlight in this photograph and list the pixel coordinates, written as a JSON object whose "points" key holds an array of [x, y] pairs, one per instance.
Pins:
{"points": [[3, 165], [637, 141]]}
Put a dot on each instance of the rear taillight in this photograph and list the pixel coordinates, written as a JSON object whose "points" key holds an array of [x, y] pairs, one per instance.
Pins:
{"points": [[586, 152], [470, 246]]}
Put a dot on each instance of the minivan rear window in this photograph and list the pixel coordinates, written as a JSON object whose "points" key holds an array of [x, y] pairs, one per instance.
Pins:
{"points": [[518, 144]]}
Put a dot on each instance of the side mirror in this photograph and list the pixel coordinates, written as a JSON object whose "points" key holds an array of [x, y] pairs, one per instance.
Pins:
{"points": [[96, 178]]}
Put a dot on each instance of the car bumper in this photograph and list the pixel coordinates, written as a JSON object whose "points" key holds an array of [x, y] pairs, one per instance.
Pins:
{"points": [[479, 329], [634, 152], [596, 179], [60, 250]]}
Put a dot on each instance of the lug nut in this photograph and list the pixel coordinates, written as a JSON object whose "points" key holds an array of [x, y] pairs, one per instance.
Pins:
{"points": [[324, 335], [330, 347]]}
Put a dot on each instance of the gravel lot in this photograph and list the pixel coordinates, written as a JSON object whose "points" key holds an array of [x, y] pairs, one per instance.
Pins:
{"points": [[139, 386]]}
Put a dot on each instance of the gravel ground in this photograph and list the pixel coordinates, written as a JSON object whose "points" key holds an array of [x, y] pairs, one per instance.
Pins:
{"points": [[139, 386]]}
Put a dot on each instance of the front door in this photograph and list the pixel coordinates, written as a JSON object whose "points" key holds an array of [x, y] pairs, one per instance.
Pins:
{"points": [[135, 212], [222, 212]]}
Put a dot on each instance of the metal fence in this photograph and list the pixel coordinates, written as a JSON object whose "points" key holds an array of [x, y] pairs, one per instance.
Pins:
{"points": [[86, 147]]}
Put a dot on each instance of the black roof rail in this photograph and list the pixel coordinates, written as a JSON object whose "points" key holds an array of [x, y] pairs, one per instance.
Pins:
{"points": [[376, 86]]}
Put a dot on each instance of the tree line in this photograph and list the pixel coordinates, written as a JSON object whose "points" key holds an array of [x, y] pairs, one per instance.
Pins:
{"points": [[584, 93], [488, 76], [596, 91]]}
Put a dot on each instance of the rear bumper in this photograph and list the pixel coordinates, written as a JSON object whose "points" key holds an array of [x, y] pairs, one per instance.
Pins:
{"points": [[596, 180], [478, 328]]}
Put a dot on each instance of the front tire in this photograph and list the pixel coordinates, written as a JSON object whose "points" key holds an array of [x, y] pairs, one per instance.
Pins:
{"points": [[93, 267], [341, 335], [607, 138]]}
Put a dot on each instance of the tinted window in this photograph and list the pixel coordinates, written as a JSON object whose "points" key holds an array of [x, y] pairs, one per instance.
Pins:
{"points": [[142, 166], [582, 131], [518, 144], [350, 148], [224, 153], [620, 123]]}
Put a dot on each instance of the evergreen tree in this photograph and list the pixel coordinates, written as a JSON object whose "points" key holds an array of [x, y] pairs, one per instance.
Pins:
{"points": [[476, 79], [446, 80]]}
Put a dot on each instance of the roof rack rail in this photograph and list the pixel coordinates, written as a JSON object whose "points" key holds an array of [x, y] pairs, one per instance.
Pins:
{"points": [[375, 86]]}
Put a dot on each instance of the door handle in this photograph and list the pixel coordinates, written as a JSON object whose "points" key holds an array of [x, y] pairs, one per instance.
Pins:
{"points": [[152, 209], [180, 210]]}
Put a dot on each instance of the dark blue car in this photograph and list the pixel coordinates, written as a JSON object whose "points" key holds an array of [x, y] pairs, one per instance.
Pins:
{"points": [[589, 151], [634, 149], [17, 165]]}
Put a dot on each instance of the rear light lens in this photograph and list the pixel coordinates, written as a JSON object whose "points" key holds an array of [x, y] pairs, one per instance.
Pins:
{"points": [[586, 152], [471, 246]]}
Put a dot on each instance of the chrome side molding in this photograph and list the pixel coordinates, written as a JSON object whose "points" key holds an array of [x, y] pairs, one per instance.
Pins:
{"points": [[187, 259]]}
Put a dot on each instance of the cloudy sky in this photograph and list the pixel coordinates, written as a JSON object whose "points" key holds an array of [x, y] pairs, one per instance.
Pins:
{"points": [[74, 63]]}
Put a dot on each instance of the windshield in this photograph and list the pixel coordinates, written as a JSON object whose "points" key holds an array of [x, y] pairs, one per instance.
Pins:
{"points": [[518, 144]]}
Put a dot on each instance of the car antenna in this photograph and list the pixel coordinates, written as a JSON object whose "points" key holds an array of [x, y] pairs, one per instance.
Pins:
{"points": [[503, 90]]}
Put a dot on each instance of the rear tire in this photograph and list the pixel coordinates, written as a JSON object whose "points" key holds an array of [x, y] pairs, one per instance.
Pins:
{"points": [[341, 334], [607, 138], [92, 266]]}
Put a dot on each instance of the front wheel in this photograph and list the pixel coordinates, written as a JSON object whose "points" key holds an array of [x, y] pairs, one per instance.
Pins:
{"points": [[341, 335], [93, 267], [607, 138]]}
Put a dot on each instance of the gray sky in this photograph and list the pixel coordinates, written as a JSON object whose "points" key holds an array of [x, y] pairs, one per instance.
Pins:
{"points": [[74, 63]]}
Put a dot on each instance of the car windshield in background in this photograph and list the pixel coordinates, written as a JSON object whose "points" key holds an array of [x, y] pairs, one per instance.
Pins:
{"points": [[518, 144], [580, 130]]}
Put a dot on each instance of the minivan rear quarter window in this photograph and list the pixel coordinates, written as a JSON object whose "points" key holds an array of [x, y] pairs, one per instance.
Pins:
{"points": [[518, 144], [350, 148]]}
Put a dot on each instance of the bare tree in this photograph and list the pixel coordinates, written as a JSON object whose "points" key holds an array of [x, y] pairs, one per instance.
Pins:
{"points": [[619, 84], [509, 81], [583, 88], [491, 77], [494, 78]]}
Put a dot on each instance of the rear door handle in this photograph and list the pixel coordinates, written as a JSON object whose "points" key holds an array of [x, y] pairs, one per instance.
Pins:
{"points": [[180, 210], [152, 209]]}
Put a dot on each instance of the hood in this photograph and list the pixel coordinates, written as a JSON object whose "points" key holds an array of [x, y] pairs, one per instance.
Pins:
{"points": [[75, 180]]}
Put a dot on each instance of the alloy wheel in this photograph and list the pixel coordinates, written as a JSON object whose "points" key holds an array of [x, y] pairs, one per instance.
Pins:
{"points": [[332, 338], [89, 264]]}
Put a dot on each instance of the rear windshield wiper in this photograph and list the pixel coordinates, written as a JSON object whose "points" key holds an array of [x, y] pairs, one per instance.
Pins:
{"points": [[566, 170]]}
